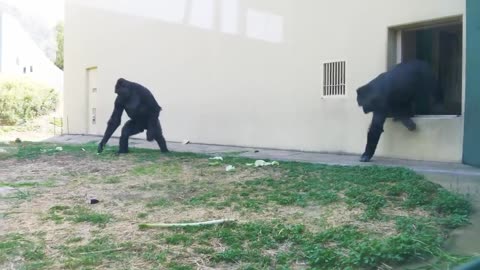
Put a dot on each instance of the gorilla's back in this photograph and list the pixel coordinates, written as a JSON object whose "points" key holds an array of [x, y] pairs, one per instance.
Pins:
{"points": [[394, 91]]}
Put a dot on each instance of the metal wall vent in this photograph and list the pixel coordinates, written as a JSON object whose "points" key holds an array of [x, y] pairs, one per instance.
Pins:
{"points": [[334, 79]]}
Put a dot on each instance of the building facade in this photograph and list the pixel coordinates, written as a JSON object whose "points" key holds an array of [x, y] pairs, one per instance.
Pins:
{"points": [[275, 74]]}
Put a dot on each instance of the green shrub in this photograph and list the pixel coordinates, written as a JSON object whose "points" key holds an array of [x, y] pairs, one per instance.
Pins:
{"points": [[22, 100]]}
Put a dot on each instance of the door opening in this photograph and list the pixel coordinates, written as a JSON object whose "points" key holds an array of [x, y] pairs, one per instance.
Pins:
{"points": [[92, 92]]}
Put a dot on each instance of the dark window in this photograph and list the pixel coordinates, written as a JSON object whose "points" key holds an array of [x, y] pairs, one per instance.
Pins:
{"points": [[441, 46]]}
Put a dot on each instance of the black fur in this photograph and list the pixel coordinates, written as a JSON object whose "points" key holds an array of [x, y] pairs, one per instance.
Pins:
{"points": [[143, 110], [393, 94]]}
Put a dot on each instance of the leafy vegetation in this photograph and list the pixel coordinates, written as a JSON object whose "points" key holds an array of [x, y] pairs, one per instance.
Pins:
{"points": [[59, 29], [23, 100]]}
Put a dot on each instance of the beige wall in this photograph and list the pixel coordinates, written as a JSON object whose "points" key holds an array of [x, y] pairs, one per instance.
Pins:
{"points": [[255, 80]]}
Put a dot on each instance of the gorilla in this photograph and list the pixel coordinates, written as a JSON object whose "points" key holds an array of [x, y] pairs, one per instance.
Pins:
{"points": [[397, 93], [143, 110]]}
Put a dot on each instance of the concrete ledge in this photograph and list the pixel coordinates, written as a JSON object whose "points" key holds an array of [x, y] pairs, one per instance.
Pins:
{"points": [[284, 155]]}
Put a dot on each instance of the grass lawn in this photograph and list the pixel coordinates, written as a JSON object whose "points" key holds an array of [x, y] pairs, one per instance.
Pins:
{"points": [[290, 216]]}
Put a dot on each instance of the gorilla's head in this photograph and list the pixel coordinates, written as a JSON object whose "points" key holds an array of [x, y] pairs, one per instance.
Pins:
{"points": [[122, 88], [367, 98]]}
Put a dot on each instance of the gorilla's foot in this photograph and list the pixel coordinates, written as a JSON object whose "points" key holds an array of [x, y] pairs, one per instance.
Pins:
{"points": [[409, 124], [365, 158], [100, 148], [165, 151]]}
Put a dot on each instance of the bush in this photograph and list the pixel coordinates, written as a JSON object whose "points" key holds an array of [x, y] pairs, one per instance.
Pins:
{"points": [[23, 100]]}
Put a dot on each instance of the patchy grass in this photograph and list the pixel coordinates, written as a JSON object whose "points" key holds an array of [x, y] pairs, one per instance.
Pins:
{"points": [[142, 215], [292, 216], [21, 195], [168, 167], [32, 254], [113, 180], [158, 202], [94, 253], [77, 214], [48, 183]]}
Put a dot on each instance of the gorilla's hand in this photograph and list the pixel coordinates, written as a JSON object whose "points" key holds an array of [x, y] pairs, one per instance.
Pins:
{"points": [[101, 145], [150, 135]]}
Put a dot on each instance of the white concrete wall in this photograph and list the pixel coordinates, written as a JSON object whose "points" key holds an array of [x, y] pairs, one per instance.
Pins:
{"points": [[249, 72]]}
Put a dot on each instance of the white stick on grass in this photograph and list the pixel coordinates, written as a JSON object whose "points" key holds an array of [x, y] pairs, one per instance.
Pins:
{"points": [[178, 225]]}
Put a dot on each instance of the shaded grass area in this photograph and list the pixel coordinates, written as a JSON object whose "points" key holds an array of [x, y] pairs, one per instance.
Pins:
{"points": [[419, 215]]}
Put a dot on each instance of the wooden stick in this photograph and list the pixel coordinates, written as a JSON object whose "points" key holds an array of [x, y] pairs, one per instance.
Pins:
{"points": [[179, 225]]}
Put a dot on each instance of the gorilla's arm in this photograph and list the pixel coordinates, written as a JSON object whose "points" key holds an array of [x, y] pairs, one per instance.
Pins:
{"points": [[113, 123], [374, 133]]}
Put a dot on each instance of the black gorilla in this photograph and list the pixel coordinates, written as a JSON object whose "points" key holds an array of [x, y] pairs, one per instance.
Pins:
{"points": [[396, 94], [143, 110]]}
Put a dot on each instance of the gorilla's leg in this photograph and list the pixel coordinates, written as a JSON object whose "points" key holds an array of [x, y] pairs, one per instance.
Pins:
{"points": [[407, 122], [130, 128], [376, 129], [404, 114], [154, 131]]}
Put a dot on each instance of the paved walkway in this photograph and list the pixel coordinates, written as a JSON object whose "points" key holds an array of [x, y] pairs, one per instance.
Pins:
{"points": [[283, 155]]}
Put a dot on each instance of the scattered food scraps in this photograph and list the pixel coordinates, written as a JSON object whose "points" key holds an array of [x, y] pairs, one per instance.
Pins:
{"points": [[263, 163], [214, 163]]}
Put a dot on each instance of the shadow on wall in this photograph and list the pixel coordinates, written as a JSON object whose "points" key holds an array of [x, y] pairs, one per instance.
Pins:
{"points": [[232, 18]]}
